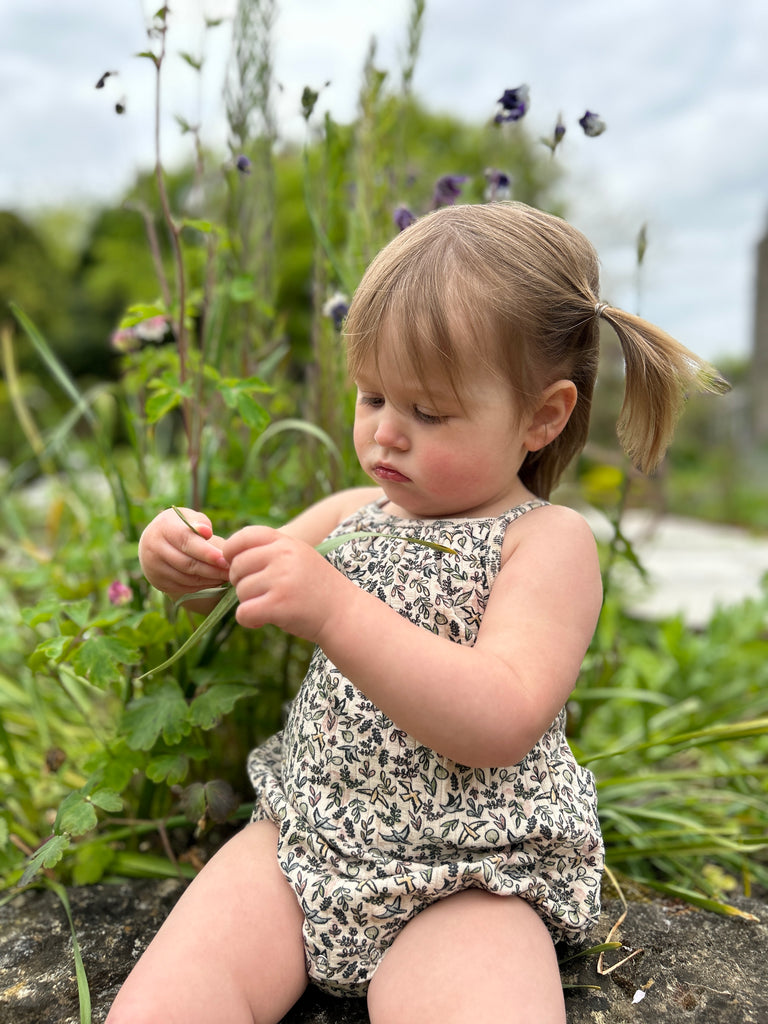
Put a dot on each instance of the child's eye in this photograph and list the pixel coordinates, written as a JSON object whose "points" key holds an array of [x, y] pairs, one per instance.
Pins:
{"points": [[426, 417], [374, 400]]}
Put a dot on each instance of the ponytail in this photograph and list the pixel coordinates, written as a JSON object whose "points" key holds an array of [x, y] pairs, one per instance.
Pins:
{"points": [[659, 375]]}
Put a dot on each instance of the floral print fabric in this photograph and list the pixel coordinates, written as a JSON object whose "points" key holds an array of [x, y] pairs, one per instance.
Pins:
{"points": [[375, 826]]}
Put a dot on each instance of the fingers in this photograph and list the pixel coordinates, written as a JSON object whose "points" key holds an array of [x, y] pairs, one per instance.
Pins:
{"points": [[248, 539], [175, 558]]}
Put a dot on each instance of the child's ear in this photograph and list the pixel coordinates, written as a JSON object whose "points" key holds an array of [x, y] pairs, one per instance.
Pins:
{"points": [[552, 413]]}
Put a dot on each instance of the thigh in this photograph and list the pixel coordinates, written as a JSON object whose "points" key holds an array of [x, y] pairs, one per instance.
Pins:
{"points": [[230, 950], [473, 956]]}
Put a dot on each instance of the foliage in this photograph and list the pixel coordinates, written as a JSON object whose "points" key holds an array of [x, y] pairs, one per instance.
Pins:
{"points": [[674, 723], [229, 395]]}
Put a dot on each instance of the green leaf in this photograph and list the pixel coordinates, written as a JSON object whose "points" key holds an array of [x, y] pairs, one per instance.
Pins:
{"points": [[170, 768], [115, 767], [52, 649], [140, 311], [221, 800], [194, 62], [208, 708], [161, 712], [41, 612], [108, 800], [48, 856], [76, 815], [192, 801], [100, 659], [167, 393], [78, 611], [251, 412], [160, 404]]}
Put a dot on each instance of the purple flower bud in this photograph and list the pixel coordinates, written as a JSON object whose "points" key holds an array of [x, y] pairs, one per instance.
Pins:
{"points": [[102, 81], [557, 136], [118, 593], [403, 218], [514, 104], [447, 190], [243, 164], [336, 308], [497, 185], [592, 124]]}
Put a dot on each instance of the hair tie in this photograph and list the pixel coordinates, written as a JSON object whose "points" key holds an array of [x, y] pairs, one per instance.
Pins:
{"points": [[600, 308]]}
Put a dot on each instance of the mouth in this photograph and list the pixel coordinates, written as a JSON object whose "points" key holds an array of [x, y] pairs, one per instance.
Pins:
{"points": [[388, 473]]}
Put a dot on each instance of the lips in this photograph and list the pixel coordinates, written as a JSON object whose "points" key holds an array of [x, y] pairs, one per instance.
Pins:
{"points": [[389, 473]]}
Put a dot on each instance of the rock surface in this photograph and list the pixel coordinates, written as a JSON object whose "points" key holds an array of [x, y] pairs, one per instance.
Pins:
{"points": [[692, 966]]}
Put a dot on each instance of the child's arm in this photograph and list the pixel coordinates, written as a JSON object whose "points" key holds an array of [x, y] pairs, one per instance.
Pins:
{"points": [[481, 705]]}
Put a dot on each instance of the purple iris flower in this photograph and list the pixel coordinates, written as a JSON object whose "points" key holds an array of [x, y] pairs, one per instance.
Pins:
{"points": [[514, 104], [336, 308], [592, 124], [403, 218], [447, 190], [497, 185], [243, 164]]}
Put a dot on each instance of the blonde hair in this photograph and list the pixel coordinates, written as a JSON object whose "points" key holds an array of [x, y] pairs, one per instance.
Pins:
{"points": [[516, 290]]}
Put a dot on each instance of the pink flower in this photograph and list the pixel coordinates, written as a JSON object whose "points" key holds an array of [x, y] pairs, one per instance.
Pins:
{"points": [[118, 593]]}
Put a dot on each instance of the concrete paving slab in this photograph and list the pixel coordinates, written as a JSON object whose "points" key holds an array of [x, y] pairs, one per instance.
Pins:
{"points": [[693, 567]]}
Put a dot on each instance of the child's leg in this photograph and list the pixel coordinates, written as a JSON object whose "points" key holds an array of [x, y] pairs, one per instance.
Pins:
{"points": [[473, 956], [231, 949]]}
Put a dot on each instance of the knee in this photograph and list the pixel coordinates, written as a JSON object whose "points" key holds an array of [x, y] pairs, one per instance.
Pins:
{"points": [[130, 1011]]}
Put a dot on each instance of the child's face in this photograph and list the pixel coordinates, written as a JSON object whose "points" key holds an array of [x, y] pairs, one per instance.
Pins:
{"points": [[436, 456]]}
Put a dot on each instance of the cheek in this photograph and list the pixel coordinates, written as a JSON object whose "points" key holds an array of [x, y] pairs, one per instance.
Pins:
{"points": [[359, 434]]}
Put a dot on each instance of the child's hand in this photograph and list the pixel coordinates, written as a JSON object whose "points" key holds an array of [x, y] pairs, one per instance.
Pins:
{"points": [[279, 580], [177, 560]]}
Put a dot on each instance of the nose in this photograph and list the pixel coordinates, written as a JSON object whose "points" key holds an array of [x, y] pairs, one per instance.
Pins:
{"points": [[389, 431]]}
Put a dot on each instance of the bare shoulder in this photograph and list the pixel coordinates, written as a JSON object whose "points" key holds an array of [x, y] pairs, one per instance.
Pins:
{"points": [[315, 523], [550, 558], [555, 527]]}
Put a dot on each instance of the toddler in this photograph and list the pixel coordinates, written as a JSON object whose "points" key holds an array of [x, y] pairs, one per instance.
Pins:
{"points": [[422, 834]]}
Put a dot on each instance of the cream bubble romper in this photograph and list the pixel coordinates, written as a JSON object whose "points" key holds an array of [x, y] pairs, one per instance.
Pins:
{"points": [[373, 825]]}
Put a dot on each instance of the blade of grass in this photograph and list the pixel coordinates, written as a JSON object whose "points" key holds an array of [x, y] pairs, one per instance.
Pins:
{"points": [[23, 415], [712, 734], [229, 598], [716, 906], [53, 365], [83, 992]]}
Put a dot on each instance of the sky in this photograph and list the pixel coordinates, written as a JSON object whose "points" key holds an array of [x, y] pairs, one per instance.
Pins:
{"points": [[683, 90]]}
